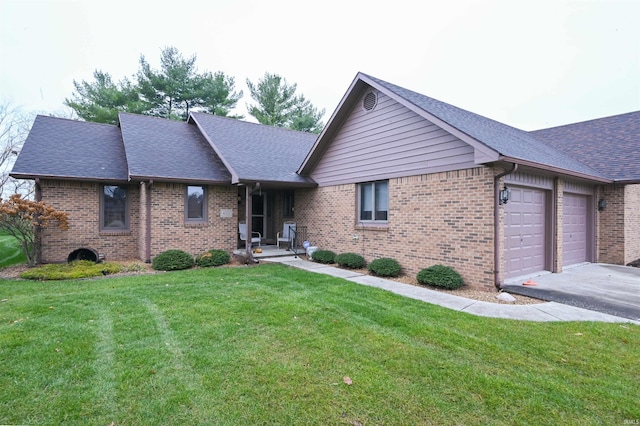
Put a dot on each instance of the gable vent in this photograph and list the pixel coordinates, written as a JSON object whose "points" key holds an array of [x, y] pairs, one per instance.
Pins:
{"points": [[369, 101]]}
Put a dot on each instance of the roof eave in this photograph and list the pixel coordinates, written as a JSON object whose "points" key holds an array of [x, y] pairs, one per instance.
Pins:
{"points": [[32, 176], [557, 170], [308, 184], [180, 180], [626, 181]]}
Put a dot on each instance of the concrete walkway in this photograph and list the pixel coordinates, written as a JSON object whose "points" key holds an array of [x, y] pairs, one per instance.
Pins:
{"points": [[548, 311]]}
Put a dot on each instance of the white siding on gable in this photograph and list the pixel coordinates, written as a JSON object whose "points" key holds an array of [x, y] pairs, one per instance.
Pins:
{"points": [[388, 142]]}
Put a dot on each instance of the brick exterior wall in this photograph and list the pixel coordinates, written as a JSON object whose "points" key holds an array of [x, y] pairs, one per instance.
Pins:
{"points": [[143, 250], [611, 245], [619, 225], [444, 218], [82, 201], [597, 224], [632, 223], [168, 228]]}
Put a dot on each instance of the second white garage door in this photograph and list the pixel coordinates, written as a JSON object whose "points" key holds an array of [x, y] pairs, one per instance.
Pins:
{"points": [[525, 232]]}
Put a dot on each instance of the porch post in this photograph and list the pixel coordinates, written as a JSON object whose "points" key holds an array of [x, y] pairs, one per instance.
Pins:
{"points": [[247, 215]]}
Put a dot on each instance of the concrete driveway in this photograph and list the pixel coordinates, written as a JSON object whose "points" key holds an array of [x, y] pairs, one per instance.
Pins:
{"points": [[611, 289]]}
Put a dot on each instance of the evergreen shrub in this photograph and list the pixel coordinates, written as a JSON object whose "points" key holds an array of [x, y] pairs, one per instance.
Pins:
{"points": [[172, 260], [385, 267], [440, 276], [324, 256], [350, 260]]}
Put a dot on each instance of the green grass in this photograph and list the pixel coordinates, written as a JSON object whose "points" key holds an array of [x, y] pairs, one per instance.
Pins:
{"points": [[10, 252], [271, 345]]}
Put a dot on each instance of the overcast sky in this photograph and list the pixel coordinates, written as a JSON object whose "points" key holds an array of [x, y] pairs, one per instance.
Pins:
{"points": [[530, 64]]}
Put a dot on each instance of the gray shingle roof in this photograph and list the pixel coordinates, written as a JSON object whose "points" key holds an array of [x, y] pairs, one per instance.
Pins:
{"points": [[166, 149], [610, 145], [506, 140], [62, 148], [255, 152]]}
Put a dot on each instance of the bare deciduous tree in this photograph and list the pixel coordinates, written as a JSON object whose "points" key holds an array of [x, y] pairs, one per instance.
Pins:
{"points": [[14, 127]]}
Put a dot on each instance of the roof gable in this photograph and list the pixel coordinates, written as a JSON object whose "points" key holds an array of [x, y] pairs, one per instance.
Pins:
{"points": [[609, 145], [387, 141], [158, 148], [71, 149], [256, 152], [491, 140]]}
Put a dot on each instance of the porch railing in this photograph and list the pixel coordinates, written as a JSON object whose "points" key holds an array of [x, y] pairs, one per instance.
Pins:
{"points": [[297, 236]]}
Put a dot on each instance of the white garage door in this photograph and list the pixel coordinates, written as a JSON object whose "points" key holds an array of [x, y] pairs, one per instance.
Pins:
{"points": [[525, 232], [574, 230]]}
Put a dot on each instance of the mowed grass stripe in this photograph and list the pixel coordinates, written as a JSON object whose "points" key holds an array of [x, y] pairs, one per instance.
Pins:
{"points": [[105, 381]]}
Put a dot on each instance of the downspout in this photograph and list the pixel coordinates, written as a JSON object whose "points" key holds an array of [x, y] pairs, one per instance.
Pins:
{"points": [[147, 242], [496, 224], [37, 189]]}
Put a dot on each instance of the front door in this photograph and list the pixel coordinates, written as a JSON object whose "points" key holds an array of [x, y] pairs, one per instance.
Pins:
{"points": [[262, 214], [258, 209]]}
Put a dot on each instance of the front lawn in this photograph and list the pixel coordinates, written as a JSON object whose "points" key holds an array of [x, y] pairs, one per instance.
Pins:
{"points": [[274, 345]]}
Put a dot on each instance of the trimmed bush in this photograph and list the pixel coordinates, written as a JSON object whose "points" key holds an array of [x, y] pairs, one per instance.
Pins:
{"points": [[384, 267], [172, 260], [324, 256], [213, 258], [350, 260], [440, 276]]}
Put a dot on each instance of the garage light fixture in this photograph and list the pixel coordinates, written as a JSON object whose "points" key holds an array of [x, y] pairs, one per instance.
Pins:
{"points": [[504, 196], [602, 204]]}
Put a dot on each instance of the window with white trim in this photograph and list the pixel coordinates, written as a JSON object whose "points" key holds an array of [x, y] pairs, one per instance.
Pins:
{"points": [[373, 202]]}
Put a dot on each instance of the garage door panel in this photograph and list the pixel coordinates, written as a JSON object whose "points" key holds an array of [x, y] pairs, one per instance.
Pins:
{"points": [[574, 229], [525, 232]]}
